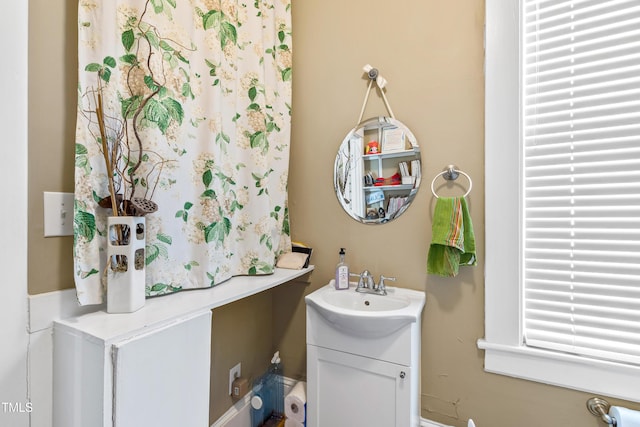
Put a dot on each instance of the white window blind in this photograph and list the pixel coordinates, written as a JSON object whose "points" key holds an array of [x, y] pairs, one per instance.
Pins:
{"points": [[581, 153]]}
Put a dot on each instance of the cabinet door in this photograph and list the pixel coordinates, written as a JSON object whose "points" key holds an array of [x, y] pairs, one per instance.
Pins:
{"points": [[345, 390], [161, 378]]}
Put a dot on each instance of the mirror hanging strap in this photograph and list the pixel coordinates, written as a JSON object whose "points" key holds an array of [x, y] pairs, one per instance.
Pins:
{"points": [[374, 76]]}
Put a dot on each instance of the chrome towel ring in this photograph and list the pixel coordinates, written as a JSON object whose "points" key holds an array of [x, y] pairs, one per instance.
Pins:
{"points": [[451, 174]]}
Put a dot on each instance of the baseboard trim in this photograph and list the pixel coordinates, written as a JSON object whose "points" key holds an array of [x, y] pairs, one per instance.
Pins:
{"points": [[428, 423], [235, 410], [244, 405]]}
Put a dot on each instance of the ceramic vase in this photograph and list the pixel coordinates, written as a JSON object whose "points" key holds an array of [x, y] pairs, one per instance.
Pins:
{"points": [[125, 264]]}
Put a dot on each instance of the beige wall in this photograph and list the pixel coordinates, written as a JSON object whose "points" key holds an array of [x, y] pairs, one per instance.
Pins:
{"points": [[52, 101], [248, 340], [431, 54]]}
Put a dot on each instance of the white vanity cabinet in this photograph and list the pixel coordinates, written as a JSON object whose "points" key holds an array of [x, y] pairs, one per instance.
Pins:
{"points": [[370, 392], [370, 379], [156, 376]]}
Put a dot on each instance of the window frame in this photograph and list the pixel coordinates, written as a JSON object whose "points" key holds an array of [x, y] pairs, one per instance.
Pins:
{"points": [[505, 351]]}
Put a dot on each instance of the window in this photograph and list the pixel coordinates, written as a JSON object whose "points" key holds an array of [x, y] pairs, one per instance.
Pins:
{"points": [[563, 193]]}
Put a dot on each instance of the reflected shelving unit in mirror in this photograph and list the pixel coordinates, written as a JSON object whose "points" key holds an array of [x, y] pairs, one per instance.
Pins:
{"points": [[377, 170]]}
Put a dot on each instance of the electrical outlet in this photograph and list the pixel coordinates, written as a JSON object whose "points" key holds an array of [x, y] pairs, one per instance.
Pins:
{"points": [[234, 373], [58, 214]]}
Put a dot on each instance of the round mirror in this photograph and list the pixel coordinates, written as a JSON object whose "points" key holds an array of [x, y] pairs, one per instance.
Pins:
{"points": [[377, 170]]}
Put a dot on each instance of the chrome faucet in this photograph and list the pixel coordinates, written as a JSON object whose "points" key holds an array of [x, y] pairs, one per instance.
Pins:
{"points": [[368, 285], [365, 281], [382, 288]]}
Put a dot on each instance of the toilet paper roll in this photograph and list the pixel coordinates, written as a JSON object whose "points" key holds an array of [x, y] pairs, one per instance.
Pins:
{"points": [[292, 423], [625, 417], [295, 403]]}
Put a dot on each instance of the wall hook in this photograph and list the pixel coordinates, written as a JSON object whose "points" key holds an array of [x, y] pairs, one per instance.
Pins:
{"points": [[451, 173]]}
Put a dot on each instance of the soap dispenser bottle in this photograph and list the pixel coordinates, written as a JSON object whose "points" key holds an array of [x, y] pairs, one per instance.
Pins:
{"points": [[342, 272]]}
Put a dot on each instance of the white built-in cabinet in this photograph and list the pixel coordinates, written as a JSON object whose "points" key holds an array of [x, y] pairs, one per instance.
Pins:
{"points": [[162, 377], [147, 368], [158, 376]]}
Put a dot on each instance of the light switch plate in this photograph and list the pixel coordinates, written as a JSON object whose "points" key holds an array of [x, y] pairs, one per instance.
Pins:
{"points": [[58, 214]]}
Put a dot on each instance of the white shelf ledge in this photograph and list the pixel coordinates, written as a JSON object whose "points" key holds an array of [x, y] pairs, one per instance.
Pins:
{"points": [[390, 154], [396, 187], [167, 309]]}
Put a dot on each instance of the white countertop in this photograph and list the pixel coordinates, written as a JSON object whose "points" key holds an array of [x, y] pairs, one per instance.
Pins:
{"points": [[166, 309]]}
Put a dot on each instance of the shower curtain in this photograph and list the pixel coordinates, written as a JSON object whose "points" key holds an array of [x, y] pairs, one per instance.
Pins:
{"points": [[188, 101]]}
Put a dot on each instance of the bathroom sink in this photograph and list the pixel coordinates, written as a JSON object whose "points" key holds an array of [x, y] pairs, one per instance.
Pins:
{"points": [[364, 302], [367, 315]]}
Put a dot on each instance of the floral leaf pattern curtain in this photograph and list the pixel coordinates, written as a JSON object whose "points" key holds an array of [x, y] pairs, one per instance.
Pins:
{"points": [[196, 94]]}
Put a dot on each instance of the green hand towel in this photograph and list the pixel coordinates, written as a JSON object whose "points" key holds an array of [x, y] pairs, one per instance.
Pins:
{"points": [[453, 243]]}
